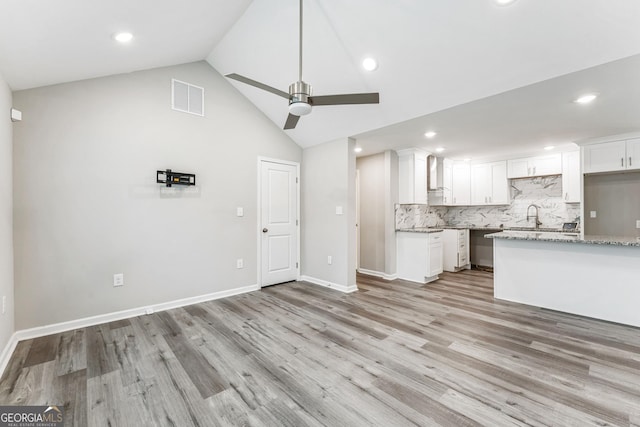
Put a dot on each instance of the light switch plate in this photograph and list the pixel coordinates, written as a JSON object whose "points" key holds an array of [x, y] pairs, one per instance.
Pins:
{"points": [[240, 211], [338, 210], [16, 115], [592, 214], [118, 279], [638, 223]]}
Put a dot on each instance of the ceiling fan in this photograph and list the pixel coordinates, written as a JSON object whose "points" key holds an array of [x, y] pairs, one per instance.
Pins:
{"points": [[299, 96]]}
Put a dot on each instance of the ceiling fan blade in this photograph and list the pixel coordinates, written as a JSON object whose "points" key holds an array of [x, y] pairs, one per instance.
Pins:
{"points": [[259, 85], [350, 98], [291, 122]]}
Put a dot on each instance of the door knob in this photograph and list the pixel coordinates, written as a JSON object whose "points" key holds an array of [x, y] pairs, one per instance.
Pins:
{"points": [[264, 230]]}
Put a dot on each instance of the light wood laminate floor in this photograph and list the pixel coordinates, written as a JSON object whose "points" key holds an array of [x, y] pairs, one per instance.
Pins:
{"points": [[392, 354]]}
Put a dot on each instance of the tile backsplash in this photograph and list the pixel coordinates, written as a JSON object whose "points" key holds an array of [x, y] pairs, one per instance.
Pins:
{"points": [[546, 192]]}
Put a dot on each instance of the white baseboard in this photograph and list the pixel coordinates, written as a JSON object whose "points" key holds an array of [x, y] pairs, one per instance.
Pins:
{"points": [[7, 352], [379, 274], [320, 282], [56, 328]]}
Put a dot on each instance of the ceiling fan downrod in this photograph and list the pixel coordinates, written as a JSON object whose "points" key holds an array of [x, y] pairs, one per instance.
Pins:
{"points": [[299, 96], [299, 102]]}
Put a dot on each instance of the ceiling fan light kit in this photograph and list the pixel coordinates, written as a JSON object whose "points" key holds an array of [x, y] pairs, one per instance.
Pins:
{"points": [[299, 96]]}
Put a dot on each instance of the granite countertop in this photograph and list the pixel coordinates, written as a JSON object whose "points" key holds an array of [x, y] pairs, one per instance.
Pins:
{"points": [[478, 228], [566, 238], [420, 230]]}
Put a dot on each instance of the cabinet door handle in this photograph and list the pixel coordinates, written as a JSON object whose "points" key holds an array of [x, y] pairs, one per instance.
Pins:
{"points": [[534, 170], [566, 196], [629, 161], [622, 161]]}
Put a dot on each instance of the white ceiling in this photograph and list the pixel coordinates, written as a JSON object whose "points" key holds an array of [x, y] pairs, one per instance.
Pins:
{"points": [[523, 121], [434, 55], [48, 42]]}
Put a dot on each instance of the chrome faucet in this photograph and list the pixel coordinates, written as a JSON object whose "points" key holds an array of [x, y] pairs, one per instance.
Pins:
{"points": [[538, 222]]}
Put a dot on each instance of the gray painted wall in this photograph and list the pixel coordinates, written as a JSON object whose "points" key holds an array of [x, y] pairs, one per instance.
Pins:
{"points": [[616, 200], [328, 181], [391, 160], [87, 206], [378, 196], [6, 215], [372, 214]]}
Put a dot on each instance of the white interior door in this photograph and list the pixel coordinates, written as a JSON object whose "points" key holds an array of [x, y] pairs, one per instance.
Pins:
{"points": [[279, 221]]}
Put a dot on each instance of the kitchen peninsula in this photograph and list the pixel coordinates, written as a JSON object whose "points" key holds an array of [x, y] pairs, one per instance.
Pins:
{"points": [[593, 276]]}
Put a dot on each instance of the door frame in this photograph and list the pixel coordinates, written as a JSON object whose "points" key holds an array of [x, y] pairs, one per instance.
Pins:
{"points": [[262, 159], [357, 219]]}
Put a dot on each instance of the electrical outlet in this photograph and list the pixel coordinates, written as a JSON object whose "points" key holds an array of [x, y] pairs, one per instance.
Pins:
{"points": [[4, 305], [118, 279], [329, 260], [638, 223], [239, 263], [149, 310], [339, 210], [592, 214]]}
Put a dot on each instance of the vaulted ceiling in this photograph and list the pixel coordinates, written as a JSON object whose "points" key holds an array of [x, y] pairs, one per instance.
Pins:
{"points": [[433, 55]]}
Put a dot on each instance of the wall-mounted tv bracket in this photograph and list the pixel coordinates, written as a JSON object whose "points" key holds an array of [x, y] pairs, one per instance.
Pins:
{"points": [[169, 178]]}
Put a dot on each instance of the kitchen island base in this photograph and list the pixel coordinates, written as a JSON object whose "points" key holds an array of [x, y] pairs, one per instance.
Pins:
{"points": [[593, 280]]}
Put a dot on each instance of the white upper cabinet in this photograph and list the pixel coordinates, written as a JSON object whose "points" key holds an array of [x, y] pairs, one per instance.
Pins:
{"points": [[460, 184], [612, 156], [633, 153], [447, 182], [571, 176], [535, 166], [412, 177], [480, 184], [489, 184], [456, 184], [605, 157], [518, 168]]}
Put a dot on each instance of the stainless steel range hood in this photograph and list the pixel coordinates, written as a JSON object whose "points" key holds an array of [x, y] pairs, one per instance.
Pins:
{"points": [[434, 173]]}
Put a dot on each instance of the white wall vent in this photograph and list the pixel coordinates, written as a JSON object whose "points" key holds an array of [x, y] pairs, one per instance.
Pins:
{"points": [[187, 98]]}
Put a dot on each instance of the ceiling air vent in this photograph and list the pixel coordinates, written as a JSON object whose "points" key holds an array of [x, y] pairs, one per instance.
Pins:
{"points": [[187, 98]]}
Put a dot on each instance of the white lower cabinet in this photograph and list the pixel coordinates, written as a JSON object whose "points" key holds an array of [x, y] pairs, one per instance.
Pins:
{"points": [[419, 256], [455, 248]]}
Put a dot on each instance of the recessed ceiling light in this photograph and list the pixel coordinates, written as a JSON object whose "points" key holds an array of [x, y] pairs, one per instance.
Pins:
{"points": [[430, 134], [504, 2], [370, 64], [549, 147], [123, 37], [358, 149], [439, 149], [585, 99]]}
